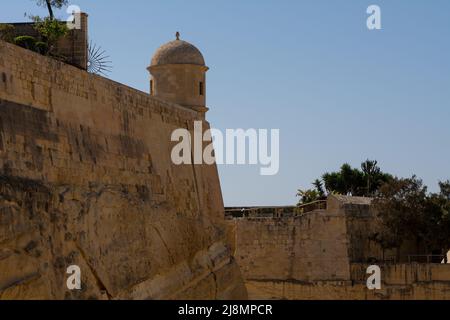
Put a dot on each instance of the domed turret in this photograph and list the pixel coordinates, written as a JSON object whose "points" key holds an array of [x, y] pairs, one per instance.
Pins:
{"points": [[178, 74]]}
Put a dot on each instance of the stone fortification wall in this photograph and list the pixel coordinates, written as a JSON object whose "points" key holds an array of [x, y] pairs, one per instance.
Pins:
{"points": [[86, 179]]}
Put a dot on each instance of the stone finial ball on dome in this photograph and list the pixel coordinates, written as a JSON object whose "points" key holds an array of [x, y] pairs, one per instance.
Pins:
{"points": [[178, 73]]}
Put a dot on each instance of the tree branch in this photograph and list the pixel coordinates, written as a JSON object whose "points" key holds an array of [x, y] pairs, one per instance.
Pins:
{"points": [[50, 10]]}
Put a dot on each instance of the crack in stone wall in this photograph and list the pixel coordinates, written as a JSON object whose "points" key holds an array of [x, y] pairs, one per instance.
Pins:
{"points": [[87, 177]]}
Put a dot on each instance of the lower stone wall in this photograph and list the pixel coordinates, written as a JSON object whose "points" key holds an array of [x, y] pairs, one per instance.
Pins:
{"points": [[399, 282], [324, 254], [310, 247], [117, 240], [361, 224]]}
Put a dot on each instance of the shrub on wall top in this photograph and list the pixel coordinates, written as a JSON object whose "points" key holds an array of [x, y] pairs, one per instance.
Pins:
{"points": [[26, 42]]}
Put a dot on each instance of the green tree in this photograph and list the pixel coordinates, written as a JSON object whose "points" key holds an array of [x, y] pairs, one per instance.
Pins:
{"points": [[49, 28], [319, 187], [347, 181], [405, 211], [307, 196], [445, 189], [51, 31], [370, 171], [400, 208], [354, 182], [438, 220], [373, 177], [311, 195]]}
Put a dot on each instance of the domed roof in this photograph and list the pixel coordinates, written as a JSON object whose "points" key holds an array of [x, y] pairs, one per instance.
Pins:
{"points": [[178, 52]]}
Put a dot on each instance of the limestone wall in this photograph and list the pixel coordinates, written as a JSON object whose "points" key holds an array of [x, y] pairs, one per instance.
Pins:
{"points": [[322, 255], [86, 178], [361, 225], [311, 247], [399, 282]]}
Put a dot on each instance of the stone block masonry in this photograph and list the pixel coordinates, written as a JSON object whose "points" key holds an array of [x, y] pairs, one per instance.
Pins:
{"points": [[300, 248], [324, 254], [86, 178]]}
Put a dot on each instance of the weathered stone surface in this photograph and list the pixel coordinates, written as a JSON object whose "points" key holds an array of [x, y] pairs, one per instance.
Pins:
{"points": [[324, 254], [399, 282], [178, 52], [178, 75], [86, 178], [300, 248]]}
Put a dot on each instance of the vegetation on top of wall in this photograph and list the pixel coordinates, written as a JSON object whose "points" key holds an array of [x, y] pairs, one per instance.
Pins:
{"points": [[31, 43], [49, 29], [405, 209], [311, 195], [364, 182], [27, 42]]}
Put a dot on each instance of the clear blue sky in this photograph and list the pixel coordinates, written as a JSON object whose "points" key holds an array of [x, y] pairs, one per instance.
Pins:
{"points": [[337, 91]]}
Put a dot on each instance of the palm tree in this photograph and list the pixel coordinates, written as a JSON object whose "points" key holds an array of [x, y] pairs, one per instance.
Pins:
{"points": [[307, 196], [319, 187], [371, 170]]}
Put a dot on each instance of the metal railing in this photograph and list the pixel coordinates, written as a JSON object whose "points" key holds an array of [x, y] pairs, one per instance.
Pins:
{"points": [[274, 212], [315, 205]]}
